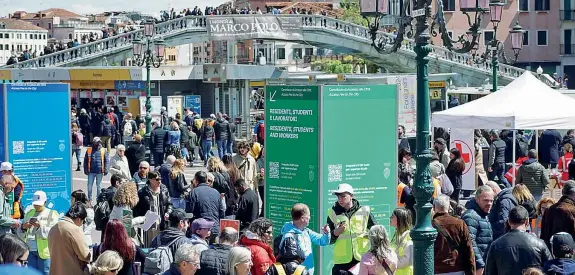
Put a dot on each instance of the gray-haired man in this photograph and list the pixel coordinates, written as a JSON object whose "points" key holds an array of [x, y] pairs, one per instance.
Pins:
{"points": [[214, 260], [186, 261]]}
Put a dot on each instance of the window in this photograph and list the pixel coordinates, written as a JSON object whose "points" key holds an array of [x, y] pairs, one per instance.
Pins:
{"points": [[6, 47], [69, 36], [448, 5], [542, 5], [526, 38], [25, 36], [49, 26], [541, 38], [487, 37], [281, 53], [297, 53], [308, 51], [44, 36], [524, 5], [1, 47], [172, 57]]}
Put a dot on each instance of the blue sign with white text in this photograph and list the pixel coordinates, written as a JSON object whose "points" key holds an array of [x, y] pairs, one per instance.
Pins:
{"points": [[194, 103], [41, 157], [130, 85]]}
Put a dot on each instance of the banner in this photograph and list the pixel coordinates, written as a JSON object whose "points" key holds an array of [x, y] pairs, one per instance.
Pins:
{"points": [[462, 139], [41, 158], [254, 27], [372, 172], [175, 104], [407, 102]]}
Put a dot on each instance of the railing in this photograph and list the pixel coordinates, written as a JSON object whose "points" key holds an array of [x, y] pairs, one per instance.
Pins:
{"points": [[567, 15], [567, 49], [176, 26]]}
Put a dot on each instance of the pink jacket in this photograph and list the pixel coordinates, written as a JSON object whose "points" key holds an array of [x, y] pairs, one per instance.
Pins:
{"points": [[370, 265]]}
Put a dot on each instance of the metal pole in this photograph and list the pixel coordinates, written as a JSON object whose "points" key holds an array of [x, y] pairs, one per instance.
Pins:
{"points": [[148, 60], [423, 234], [246, 109], [494, 60]]}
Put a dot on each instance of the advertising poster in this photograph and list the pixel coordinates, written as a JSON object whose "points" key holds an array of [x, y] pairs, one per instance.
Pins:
{"points": [[292, 123], [194, 103], [407, 102], [41, 158], [156, 102], [175, 105], [462, 139], [371, 170], [252, 27]]}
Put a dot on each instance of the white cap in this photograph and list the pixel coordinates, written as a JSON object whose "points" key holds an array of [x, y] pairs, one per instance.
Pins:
{"points": [[96, 139], [39, 198], [343, 188], [6, 166]]}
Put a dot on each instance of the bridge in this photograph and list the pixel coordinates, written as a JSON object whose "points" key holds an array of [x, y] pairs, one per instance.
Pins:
{"points": [[316, 30]]}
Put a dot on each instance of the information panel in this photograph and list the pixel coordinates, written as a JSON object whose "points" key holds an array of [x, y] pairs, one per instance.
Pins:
{"points": [[366, 159], [292, 152], [194, 103], [41, 157]]}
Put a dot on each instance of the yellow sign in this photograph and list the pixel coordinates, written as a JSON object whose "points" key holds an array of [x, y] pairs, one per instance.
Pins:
{"points": [[257, 83], [100, 74], [435, 94], [340, 77], [436, 84], [5, 75], [97, 85]]}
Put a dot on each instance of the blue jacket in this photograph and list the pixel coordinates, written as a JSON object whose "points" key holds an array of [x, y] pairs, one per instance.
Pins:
{"points": [[172, 271], [294, 238], [95, 162], [549, 144], [503, 203], [479, 231], [559, 267], [257, 126], [205, 202]]}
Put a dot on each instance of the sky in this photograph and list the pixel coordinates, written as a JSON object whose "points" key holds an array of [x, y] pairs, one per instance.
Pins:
{"points": [[152, 7]]}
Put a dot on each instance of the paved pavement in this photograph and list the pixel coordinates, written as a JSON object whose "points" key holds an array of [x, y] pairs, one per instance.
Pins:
{"points": [[80, 181]]}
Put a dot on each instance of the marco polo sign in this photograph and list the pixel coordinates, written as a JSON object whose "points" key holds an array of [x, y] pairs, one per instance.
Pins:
{"points": [[254, 27]]}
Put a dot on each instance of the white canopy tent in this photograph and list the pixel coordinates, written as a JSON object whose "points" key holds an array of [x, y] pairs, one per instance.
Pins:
{"points": [[525, 103]]}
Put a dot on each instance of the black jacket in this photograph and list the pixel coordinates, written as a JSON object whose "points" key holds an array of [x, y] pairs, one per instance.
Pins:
{"points": [[135, 153], [177, 186], [248, 208], [214, 261], [145, 202], [514, 252], [184, 133], [222, 129], [167, 236], [338, 210], [549, 146], [497, 152], [502, 204], [157, 138], [205, 202]]}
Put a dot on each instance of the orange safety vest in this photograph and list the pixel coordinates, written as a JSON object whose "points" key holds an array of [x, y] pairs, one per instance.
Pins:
{"points": [[400, 187], [17, 200], [102, 155]]}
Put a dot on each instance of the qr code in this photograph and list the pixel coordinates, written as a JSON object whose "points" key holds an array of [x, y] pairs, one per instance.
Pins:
{"points": [[334, 173], [274, 170], [17, 147]]}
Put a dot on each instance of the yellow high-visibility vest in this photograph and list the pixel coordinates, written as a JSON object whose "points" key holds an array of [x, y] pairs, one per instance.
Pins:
{"points": [[353, 242], [42, 244]]}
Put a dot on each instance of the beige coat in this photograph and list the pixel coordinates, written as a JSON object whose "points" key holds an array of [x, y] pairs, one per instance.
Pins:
{"points": [[479, 169], [248, 170], [69, 254]]}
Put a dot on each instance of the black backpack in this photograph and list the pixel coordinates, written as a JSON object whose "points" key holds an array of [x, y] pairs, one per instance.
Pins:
{"points": [[102, 212], [522, 148]]}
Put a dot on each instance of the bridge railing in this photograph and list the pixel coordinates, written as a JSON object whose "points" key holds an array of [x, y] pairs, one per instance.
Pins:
{"points": [[98, 49]]}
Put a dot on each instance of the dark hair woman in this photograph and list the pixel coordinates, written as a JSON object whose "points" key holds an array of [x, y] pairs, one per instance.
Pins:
{"points": [[89, 225], [454, 172], [116, 238], [13, 250]]}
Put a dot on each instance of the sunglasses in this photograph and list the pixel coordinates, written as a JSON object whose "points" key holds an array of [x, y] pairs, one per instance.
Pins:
{"points": [[22, 262], [269, 232]]}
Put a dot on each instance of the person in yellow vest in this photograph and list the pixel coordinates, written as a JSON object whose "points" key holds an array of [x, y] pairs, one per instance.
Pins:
{"points": [[401, 242], [18, 190], [34, 231], [349, 224]]}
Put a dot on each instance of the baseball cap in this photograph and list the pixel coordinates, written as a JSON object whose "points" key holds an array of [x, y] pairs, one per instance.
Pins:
{"points": [[201, 223], [562, 244], [6, 166], [343, 188], [96, 139], [178, 215], [39, 198]]}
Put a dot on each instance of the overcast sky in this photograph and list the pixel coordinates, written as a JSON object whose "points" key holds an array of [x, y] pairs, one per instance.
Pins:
{"points": [[97, 6]]}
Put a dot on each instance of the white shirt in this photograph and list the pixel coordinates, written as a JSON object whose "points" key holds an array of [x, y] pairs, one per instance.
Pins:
{"points": [[119, 166]]}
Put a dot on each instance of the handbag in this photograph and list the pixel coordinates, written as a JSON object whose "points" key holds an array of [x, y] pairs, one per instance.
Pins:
{"points": [[453, 246], [446, 185]]}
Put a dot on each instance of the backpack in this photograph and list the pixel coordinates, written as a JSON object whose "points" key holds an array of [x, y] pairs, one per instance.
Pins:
{"points": [[522, 148], [261, 132], [102, 212], [127, 131], [160, 258], [79, 139]]}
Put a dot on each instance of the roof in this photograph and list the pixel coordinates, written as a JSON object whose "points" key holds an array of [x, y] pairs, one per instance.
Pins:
{"points": [[51, 13], [14, 24]]}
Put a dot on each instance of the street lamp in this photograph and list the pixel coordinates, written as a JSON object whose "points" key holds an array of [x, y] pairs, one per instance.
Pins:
{"points": [[423, 234], [539, 71], [148, 52], [496, 48]]}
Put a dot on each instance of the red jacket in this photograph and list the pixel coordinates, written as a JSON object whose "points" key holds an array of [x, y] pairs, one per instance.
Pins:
{"points": [[262, 255], [563, 166], [509, 174]]}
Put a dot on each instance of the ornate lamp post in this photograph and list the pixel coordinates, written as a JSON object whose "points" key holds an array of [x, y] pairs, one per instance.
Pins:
{"points": [[423, 234], [496, 48], [149, 52]]}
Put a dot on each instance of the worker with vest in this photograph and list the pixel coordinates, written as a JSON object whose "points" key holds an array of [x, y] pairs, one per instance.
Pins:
{"points": [[34, 231], [15, 196], [96, 166], [349, 224]]}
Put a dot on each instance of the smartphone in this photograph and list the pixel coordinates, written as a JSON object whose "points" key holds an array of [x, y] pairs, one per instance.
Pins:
{"points": [[33, 220], [341, 223]]}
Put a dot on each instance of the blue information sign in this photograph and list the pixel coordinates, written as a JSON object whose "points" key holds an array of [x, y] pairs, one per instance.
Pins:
{"points": [[130, 85], [194, 103], [42, 157]]}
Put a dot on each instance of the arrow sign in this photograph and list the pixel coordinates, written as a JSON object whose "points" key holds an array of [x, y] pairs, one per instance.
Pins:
{"points": [[272, 96]]}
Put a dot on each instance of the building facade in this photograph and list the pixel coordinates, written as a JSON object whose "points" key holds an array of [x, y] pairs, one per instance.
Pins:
{"points": [[17, 36], [50, 18], [567, 47]]}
